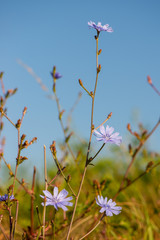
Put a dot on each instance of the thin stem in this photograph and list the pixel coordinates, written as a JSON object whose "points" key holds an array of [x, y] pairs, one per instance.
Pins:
{"points": [[15, 223], [10, 223], [93, 228], [62, 125], [2, 84], [86, 91], [8, 118], [141, 175], [27, 191], [15, 175], [98, 152], [45, 177], [2, 230], [60, 169], [108, 117], [89, 144], [133, 159], [32, 202], [76, 201]]}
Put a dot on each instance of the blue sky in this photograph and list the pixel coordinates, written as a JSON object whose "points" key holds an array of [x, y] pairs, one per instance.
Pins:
{"points": [[46, 33]]}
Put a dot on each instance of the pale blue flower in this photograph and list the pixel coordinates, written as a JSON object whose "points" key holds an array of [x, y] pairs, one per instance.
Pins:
{"points": [[108, 206], [99, 27], [57, 200], [5, 198], [107, 136]]}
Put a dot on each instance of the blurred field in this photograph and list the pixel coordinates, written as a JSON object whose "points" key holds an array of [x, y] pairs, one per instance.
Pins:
{"points": [[140, 217]]}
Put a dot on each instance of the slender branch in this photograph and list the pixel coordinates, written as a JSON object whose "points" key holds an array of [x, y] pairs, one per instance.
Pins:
{"points": [[60, 169], [32, 201], [97, 152], [7, 117], [2, 230], [93, 228], [15, 223], [152, 85], [62, 125], [141, 175], [18, 155], [133, 159], [89, 144], [45, 177], [2, 84], [22, 185], [108, 117], [81, 84]]}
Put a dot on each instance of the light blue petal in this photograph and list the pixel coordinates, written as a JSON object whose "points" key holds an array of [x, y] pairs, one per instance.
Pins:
{"points": [[102, 130], [109, 213], [102, 210], [62, 206], [96, 133], [48, 194], [62, 194], [55, 192]]}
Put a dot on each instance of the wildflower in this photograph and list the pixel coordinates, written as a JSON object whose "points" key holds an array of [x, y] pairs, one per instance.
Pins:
{"points": [[108, 206], [56, 75], [99, 27], [107, 136], [57, 200], [5, 198]]}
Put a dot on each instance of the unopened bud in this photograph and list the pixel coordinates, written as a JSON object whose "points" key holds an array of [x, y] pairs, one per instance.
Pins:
{"points": [[1, 101], [1, 126], [33, 140], [149, 79], [1, 109], [68, 178], [54, 87], [1, 74], [99, 52], [24, 110], [109, 115], [61, 113], [18, 124], [68, 137], [23, 137], [80, 82], [129, 127], [53, 148], [130, 149], [99, 68], [149, 165]]}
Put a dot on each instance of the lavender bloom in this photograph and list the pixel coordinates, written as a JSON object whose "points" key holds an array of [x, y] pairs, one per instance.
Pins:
{"points": [[57, 200], [108, 207], [5, 198], [99, 27], [57, 75], [107, 136]]}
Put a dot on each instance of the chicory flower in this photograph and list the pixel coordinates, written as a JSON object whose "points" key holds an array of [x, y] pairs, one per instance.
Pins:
{"points": [[58, 200]]}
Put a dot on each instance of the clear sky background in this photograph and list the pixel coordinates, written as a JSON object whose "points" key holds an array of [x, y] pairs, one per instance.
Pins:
{"points": [[46, 33]]}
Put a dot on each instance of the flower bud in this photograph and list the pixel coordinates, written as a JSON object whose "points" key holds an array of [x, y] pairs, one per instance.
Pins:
{"points": [[149, 79], [129, 127], [18, 124], [99, 68], [60, 114], [80, 82], [99, 52], [1, 74]]}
